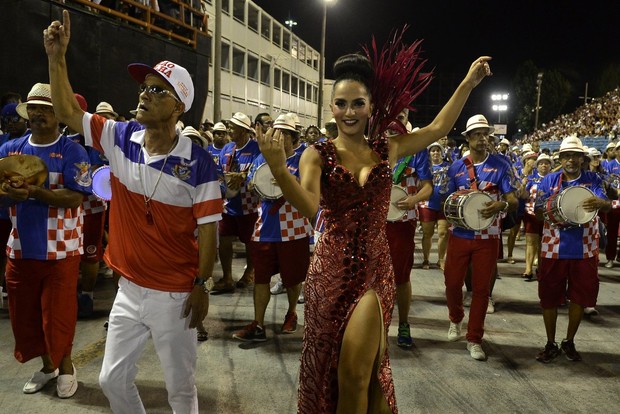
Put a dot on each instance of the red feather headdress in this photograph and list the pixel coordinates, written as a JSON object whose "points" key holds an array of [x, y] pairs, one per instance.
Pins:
{"points": [[397, 83]]}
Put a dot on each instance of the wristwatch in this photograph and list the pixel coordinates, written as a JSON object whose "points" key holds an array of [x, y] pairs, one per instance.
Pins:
{"points": [[207, 284]]}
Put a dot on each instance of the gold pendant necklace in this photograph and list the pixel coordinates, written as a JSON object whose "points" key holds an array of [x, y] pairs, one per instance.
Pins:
{"points": [[147, 199]]}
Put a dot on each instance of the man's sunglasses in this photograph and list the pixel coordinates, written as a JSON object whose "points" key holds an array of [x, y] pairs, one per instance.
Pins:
{"points": [[157, 91]]}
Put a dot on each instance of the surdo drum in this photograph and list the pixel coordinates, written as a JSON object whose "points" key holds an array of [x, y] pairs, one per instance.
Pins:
{"points": [[462, 209], [264, 184], [565, 209], [394, 213]]}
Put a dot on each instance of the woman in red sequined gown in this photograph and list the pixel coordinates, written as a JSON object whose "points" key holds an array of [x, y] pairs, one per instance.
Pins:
{"points": [[350, 288]]}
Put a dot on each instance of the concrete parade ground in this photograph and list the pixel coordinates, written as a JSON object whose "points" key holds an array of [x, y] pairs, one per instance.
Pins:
{"points": [[435, 376]]}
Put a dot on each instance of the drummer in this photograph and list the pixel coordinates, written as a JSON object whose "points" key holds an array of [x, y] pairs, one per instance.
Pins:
{"points": [[569, 255], [280, 244], [491, 174], [413, 173]]}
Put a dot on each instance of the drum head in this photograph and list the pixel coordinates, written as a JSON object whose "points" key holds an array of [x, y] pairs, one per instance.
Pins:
{"points": [[571, 204], [264, 183], [471, 211], [102, 186], [397, 194]]}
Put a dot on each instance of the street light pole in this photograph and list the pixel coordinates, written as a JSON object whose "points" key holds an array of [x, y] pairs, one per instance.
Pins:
{"points": [[322, 67], [538, 85]]}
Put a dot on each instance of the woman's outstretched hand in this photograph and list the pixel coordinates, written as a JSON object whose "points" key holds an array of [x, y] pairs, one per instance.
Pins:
{"points": [[478, 70]]}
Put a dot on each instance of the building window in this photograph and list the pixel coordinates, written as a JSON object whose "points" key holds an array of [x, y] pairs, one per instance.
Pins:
{"points": [[302, 52], [315, 94], [295, 48], [238, 61], [226, 6], [286, 80], [294, 85], [276, 78], [302, 89], [253, 17], [286, 41], [277, 35], [265, 73], [252, 67], [265, 27], [239, 10], [309, 92], [225, 56]]}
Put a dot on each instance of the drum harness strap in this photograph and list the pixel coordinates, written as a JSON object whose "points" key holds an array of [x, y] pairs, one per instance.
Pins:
{"points": [[400, 168], [473, 180]]}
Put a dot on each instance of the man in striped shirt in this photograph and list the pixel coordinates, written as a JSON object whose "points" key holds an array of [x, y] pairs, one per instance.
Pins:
{"points": [[164, 189]]}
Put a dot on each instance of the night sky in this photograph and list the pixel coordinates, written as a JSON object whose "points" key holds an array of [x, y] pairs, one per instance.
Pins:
{"points": [[585, 35], [580, 36]]}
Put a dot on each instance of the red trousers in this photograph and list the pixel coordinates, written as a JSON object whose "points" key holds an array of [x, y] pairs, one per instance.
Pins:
{"points": [[400, 235], [482, 254], [43, 306]]}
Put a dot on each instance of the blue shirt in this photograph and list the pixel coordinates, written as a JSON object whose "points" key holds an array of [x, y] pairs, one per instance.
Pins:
{"points": [[494, 177]]}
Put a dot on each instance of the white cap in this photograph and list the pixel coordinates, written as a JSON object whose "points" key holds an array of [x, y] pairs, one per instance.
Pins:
{"points": [[526, 148], [435, 144], [505, 142], [176, 76], [529, 154]]}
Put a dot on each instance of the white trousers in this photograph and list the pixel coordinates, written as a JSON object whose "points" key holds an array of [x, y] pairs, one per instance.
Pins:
{"points": [[138, 313]]}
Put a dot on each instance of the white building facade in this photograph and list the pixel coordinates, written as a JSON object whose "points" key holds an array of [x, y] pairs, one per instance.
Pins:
{"points": [[265, 66]]}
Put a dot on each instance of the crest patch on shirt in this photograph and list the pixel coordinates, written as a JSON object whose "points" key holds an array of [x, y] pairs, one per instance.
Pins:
{"points": [[182, 170], [83, 177]]}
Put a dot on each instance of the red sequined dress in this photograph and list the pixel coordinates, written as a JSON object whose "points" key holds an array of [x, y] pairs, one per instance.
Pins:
{"points": [[351, 258]]}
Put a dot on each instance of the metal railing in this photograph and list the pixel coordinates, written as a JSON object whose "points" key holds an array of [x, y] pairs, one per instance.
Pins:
{"points": [[147, 17]]}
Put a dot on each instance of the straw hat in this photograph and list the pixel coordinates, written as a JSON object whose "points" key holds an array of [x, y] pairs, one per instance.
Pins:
{"points": [[285, 121], [478, 121], [191, 132], [543, 157], [242, 120], [571, 144], [40, 94], [105, 108]]}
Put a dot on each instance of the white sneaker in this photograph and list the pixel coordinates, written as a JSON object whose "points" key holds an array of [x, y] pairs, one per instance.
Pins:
{"points": [[609, 264], [454, 333], [476, 352], [590, 311], [278, 288], [491, 305], [38, 381], [301, 298], [467, 299], [67, 384]]}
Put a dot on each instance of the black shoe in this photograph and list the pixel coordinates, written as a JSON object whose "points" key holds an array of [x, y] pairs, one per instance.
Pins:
{"points": [[548, 354], [569, 350]]}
